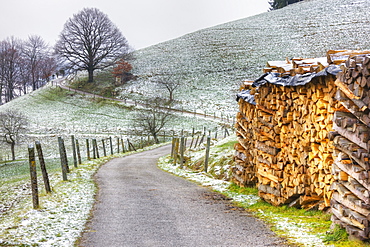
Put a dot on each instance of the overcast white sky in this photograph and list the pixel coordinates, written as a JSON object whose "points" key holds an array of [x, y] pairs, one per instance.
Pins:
{"points": [[142, 22]]}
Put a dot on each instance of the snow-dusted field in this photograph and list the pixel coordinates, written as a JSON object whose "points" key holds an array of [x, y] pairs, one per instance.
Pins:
{"points": [[211, 63]]}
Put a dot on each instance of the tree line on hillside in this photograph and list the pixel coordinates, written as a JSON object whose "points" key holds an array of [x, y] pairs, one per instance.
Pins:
{"points": [[278, 4], [24, 65], [89, 41]]}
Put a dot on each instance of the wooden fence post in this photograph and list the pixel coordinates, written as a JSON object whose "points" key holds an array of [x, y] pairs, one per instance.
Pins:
{"points": [[117, 144], [88, 149], [78, 152], [93, 149], [196, 142], [176, 151], [74, 151], [173, 147], [226, 132], [207, 153], [182, 150], [123, 145], [65, 155], [96, 149], [33, 173], [131, 145], [192, 137], [62, 159], [111, 145], [43, 167], [104, 150]]}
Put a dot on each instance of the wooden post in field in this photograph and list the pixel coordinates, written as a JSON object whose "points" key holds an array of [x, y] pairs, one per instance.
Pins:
{"points": [[192, 138], [104, 150], [43, 167], [196, 142], [182, 150], [62, 159], [65, 155], [226, 132], [33, 173], [96, 149], [111, 145], [176, 151], [117, 144], [123, 145], [207, 153], [131, 145], [78, 152], [93, 149], [88, 149], [173, 147], [202, 138], [74, 151], [216, 134]]}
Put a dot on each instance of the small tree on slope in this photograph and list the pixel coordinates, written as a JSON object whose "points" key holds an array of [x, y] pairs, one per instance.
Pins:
{"points": [[12, 125]]}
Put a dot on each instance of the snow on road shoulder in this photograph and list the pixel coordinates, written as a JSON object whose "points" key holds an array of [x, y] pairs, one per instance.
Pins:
{"points": [[298, 233]]}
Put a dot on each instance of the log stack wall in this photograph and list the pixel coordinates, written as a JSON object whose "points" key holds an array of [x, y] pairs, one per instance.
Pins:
{"points": [[244, 171], [350, 203], [308, 145]]}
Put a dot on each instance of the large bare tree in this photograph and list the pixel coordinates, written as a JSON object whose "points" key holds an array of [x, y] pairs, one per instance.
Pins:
{"points": [[90, 41], [12, 125]]}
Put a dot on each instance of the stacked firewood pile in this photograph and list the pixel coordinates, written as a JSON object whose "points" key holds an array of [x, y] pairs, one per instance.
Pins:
{"points": [[289, 125], [244, 173], [304, 138], [351, 190], [293, 154]]}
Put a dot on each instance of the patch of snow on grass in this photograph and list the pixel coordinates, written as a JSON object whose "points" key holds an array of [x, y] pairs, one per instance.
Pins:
{"points": [[298, 233], [205, 180], [62, 214]]}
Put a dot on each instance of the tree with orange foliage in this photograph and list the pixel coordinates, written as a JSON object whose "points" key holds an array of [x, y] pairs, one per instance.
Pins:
{"points": [[121, 71]]}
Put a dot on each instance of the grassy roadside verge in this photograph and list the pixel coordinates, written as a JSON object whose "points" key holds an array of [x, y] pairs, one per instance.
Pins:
{"points": [[62, 215], [298, 226]]}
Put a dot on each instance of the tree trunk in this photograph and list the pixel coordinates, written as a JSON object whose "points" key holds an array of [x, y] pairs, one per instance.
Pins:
{"points": [[12, 146], [155, 137], [91, 75]]}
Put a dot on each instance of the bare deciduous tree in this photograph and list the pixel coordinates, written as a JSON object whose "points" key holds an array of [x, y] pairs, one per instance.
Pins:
{"points": [[34, 53], [151, 121], [12, 125], [170, 82], [10, 63], [90, 41]]}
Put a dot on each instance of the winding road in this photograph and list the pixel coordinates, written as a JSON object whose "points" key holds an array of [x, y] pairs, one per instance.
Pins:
{"points": [[140, 205]]}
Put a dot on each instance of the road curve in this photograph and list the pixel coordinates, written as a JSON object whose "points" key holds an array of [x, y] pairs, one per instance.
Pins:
{"points": [[140, 205]]}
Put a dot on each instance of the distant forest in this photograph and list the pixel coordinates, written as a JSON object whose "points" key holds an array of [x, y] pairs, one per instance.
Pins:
{"points": [[278, 4]]}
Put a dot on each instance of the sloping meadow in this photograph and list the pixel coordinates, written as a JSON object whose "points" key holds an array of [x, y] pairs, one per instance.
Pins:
{"points": [[211, 63]]}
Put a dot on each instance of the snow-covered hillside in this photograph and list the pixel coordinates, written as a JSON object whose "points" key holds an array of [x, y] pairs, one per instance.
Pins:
{"points": [[212, 62]]}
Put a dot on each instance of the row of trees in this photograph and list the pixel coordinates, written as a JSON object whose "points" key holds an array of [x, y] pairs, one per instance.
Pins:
{"points": [[278, 4], [24, 65], [89, 41]]}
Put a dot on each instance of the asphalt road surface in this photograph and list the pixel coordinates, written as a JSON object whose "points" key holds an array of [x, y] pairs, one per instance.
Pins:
{"points": [[140, 205]]}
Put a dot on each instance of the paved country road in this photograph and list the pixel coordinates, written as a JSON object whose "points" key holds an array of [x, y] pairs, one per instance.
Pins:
{"points": [[140, 205]]}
